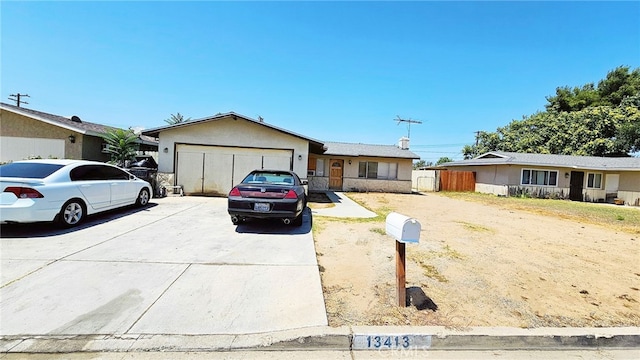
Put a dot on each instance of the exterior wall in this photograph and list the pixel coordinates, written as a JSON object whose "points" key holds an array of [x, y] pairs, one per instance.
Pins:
{"points": [[375, 185], [318, 183], [92, 148], [17, 126], [229, 132], [351, 181], [629, 187]]}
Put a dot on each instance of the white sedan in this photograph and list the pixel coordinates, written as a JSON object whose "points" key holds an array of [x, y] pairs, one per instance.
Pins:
{"points": [[65, 191]]}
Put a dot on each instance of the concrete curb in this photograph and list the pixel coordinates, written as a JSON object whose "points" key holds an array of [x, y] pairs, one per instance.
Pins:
{"points": [[357, 338]]}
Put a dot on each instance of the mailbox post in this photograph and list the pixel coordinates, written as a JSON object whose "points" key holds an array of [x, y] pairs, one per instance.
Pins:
{"points": [[404, 230]]}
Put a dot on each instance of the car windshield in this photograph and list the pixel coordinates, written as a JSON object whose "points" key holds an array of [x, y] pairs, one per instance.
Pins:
{"points": [[269, 178], [28, 170]]}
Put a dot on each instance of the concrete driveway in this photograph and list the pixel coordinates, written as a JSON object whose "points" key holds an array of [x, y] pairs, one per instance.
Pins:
{"points": [[176, 267]]}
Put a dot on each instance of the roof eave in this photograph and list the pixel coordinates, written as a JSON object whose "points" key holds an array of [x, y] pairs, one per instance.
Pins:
{"points": [[50, 122]]}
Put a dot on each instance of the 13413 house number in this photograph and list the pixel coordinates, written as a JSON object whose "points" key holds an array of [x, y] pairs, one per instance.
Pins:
{"points": [[375, 342]]}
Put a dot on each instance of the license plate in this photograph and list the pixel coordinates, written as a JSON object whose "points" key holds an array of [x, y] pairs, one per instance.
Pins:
{"points": [[261, 207]]}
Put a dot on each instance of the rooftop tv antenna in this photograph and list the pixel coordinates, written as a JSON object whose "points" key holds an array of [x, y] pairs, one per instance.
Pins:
{"points": [[16, 98], [409, 122]]}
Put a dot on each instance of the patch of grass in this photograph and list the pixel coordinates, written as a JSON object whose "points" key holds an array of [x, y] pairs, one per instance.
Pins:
{"points": [[429, 270], [380, 231], [474, 227], [447, 251], [422, 259], [318, 225], [615, 217]]}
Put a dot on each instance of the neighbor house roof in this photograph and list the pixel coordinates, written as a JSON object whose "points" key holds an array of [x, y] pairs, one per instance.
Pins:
{"points": [[155, 132], [351, 149], [551, 160], [73, 123]]}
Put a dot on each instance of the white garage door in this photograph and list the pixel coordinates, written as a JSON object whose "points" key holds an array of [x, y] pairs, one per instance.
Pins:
{"points": [[214, 170]]}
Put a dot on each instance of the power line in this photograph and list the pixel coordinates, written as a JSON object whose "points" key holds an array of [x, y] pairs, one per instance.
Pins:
{"points": [[16, 98]]}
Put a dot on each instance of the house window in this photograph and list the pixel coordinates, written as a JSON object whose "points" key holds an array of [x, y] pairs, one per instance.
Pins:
{"points": [[320, 167], [539, 177], [377, 170], [594, 181]]}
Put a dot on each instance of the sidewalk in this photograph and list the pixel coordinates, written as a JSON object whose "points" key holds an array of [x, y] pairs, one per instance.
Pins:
{"points": [[343, 207]]}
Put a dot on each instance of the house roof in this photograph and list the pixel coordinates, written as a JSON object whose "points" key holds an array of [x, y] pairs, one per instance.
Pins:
{"points": [[72, 123], [551, 160], [350, 149], [155, 132]]}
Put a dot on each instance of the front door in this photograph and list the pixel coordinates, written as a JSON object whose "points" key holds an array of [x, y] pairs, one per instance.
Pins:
{"points": [[575, 186], [335, 175]]}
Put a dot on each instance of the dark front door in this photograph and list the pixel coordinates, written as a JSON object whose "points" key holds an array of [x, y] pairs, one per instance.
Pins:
{"points": [[576, 184]]}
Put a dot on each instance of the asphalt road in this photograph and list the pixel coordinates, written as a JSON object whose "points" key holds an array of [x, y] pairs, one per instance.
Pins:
{"points": [[177, 266]]}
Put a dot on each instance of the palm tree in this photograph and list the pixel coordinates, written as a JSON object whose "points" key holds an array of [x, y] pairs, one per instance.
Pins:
{"points": [[121, 144], [176, 119]]}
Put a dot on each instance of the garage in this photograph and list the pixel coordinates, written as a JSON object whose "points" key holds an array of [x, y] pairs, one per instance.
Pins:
{"points": [[209, 156], [214, 170]]}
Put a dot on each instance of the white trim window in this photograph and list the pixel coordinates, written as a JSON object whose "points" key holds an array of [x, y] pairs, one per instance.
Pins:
{"points": [[594, 181], [320, 167], [539, 177], [377, 170]]}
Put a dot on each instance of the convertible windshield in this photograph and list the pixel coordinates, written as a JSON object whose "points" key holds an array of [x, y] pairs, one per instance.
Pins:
{"points": [[28, 170], [269, 178]]}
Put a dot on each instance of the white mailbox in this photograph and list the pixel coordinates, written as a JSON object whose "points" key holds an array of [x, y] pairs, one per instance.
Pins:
{"points": [[403, 228]]}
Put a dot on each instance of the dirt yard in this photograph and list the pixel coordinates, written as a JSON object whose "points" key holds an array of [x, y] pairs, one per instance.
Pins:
{"points": [[478, 265]]}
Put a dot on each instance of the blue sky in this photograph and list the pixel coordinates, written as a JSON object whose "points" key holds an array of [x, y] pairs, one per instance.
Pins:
{"points": [[333, 71]]}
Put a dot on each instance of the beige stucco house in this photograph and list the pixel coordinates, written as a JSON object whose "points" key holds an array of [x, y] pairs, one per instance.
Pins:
{"points": [[27, 133], [210, 155], [580, 178], [361, 167]]}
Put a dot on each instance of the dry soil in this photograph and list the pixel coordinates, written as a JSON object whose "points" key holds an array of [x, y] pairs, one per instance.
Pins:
{"points": [[478, 265]]}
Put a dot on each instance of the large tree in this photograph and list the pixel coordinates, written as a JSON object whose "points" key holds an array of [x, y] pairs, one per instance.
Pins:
{"points": [[587, 120]]}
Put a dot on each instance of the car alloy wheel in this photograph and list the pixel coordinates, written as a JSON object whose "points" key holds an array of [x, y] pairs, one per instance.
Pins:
{"points": [[72, 213], [143, 198]]}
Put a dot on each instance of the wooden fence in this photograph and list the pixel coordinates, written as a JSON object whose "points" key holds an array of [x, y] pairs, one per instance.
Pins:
{"points": [[457, 180]]}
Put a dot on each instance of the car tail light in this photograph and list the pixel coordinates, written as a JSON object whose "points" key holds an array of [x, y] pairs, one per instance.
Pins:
{"points": [[291, 195], [235, 192], [24, 192]]}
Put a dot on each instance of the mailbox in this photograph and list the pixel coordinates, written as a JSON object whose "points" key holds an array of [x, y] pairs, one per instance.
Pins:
{"points": [[403, 228]]}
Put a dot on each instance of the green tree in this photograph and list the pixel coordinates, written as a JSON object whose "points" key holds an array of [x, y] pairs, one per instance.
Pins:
{"points": [[602, 121], [176, 119], [121, 144], [443, 160]]}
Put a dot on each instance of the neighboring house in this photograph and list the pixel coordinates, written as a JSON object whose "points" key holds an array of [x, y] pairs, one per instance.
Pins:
{"points": [[26, 133], [210, 155], [580, 178]]}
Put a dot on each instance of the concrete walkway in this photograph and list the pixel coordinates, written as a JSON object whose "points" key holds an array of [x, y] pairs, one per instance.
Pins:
{"points": [[343, 207]]}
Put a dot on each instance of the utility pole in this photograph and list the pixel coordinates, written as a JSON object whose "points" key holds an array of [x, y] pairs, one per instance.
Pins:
{"points": [[409, 122], [16, 98], [477, 137]]}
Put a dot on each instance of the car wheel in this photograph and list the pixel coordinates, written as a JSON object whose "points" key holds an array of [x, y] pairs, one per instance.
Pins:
{"points": [[72, 213], [143, 197]]}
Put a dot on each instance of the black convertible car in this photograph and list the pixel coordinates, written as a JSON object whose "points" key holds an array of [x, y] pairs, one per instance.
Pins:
{"points": [[267, 194]]}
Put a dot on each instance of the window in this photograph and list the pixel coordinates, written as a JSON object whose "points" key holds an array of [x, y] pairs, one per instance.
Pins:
{"points": [[320, 167], [377, 170], [28, 170], [594, 181], [539, 177]]}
